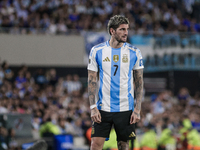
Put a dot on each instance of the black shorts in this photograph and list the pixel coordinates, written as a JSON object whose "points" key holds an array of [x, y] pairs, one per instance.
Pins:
{"points": [[121, 122]]}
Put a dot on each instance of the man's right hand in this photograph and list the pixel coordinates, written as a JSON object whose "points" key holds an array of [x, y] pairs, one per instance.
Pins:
{"points": [[95, 115]]}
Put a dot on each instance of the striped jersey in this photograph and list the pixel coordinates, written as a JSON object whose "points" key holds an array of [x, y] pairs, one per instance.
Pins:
{"points": [[115, 67]]}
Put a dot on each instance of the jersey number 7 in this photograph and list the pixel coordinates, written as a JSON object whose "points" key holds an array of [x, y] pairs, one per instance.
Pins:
{"points": [[115, 69]]}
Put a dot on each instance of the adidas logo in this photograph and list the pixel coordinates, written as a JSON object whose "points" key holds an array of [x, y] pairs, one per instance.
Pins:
{"points": [[132, 134], [106, 59]]}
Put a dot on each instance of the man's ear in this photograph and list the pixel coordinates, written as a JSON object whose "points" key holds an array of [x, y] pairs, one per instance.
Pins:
{"points": [[112, 31]]}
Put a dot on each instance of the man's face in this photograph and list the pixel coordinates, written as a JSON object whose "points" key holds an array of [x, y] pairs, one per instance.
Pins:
{"points": [[121, 33]]}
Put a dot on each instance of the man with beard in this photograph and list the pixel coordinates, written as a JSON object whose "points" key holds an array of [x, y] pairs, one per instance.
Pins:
{"points": [[115, 63]]}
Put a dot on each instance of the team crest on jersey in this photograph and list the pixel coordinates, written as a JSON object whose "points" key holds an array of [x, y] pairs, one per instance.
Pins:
{"points": [[125, 58], [116, 58]]}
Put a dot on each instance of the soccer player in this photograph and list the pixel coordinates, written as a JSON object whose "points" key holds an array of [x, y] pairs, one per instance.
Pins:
{"points": [[116, 63]]}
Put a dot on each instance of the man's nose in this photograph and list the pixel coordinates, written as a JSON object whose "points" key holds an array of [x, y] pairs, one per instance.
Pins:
{"points": [[126, 32]]}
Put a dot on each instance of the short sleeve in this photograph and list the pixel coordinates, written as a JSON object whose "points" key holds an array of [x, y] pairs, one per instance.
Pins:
{"points": [[139, 62], [92, 64]]}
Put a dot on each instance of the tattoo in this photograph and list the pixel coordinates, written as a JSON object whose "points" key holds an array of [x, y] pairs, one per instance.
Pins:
{"points": [[94, 112], [138, 79], [92, 85], [123, 145], [138, 115]]}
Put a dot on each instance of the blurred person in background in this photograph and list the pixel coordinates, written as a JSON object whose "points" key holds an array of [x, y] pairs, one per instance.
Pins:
{"points": [[76, 83], [3, 134], [40, 78], [195, 120], [149, 138], [62, 125], [11, 140], [20, 80], [1, 74], [52, 77], [48, 129], [7, 71], [77, 125], [166, 139], [3, 109], [193, 139], [68, 83], [183, 96]]}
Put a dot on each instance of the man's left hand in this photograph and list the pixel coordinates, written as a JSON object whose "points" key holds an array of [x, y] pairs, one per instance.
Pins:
{"points": [[135, 117]]}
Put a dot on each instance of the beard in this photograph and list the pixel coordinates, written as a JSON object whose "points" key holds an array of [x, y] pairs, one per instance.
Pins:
{"points": [[119, 39]]}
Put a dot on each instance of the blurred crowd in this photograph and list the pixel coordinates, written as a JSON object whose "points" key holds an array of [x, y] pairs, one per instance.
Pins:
{"points": [[174, 118], [60, 105], [187, 60], [60, 16]]}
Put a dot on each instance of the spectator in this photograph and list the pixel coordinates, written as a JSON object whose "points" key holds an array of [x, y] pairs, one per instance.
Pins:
{"points": [[48, 129], [11, 140], [1, 74], [3, 134], [68, 84], [36, 123], [76, 83], [7, 71], [52, 27], [40, 78], [52, 77], [20, 80], [3, 109], [62, 28], [62, 126], [78, 131], [183, 96]]}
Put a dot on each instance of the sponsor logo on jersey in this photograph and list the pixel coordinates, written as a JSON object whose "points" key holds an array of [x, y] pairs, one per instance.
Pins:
{"points": [[106, 59], [115, 58], [125, 58]]}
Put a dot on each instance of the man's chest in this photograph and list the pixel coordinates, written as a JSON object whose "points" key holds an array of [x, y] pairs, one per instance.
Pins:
{"points": [[115, 62]]}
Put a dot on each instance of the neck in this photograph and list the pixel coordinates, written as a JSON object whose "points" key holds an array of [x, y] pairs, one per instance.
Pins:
{"points": [[115, 44]]}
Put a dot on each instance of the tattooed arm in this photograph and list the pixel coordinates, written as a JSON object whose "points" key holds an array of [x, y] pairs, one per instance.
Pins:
{"points": [[92, 86], [138, 79]]}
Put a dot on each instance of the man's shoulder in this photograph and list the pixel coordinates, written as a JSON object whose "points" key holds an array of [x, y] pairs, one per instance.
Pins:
{"points": [[100, 46], [131, 47]]}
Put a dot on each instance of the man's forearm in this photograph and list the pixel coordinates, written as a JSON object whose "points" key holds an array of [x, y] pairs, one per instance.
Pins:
{"points": [[92, 85], [138, 79]]}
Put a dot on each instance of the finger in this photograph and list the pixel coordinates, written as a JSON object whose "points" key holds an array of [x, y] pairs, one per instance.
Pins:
{"points": [[131, 120], [98, 119], [93, 119], [135, 119], [100, 116]]}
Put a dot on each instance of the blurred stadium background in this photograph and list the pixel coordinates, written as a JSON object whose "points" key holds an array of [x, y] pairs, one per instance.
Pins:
{"points": [[44, 46]]}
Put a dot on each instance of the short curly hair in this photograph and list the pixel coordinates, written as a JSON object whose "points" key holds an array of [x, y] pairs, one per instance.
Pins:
{"points": [[116, 21]]}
